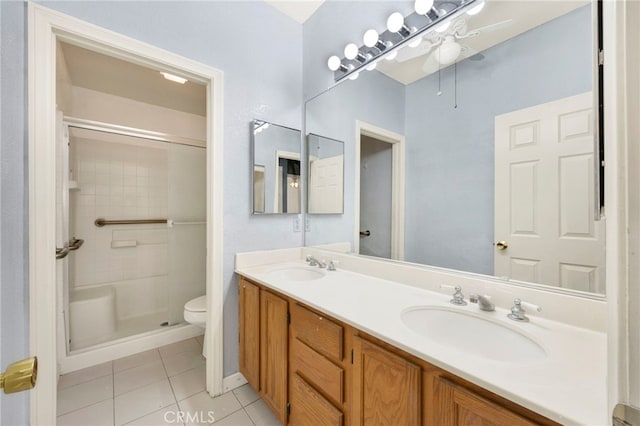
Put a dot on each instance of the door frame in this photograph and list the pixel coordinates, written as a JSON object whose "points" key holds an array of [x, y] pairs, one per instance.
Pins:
{"points": [[45, 27], [397, 142]]}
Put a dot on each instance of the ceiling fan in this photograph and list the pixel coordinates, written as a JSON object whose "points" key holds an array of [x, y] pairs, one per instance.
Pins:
{"points": [[443, 45]]}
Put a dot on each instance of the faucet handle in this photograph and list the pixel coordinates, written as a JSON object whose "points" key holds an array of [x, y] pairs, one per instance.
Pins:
{"points": [[332, 265], [518, 313], [458, 297]]}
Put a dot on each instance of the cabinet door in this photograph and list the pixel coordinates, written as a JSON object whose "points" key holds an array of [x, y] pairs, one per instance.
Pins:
{"points": [[386, 387], [250, 332], [462, 407], [274, 340]]}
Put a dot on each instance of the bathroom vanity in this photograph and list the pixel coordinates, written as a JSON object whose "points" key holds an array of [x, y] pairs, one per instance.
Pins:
{"points": [[338, 348]]}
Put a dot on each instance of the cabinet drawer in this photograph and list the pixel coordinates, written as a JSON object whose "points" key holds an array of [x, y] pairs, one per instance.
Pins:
{"points": [[317, 331], [310, 408], [317, 370]]}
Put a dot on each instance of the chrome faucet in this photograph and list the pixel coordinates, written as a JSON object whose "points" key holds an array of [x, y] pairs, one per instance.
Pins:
{"points": [[458, 297], [518, 313], [312, 261], [483, 301], [332, 265]]}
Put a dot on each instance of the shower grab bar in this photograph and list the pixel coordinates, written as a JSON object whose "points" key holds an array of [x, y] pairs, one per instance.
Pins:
{"points": [[103, 222]]}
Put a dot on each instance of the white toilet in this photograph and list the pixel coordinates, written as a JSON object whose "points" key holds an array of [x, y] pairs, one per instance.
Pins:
{"points": [[195, 312]]}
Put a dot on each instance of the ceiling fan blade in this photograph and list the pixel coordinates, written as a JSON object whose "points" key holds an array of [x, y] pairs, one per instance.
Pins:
{"points": [[431, 64], [409, 53], [471, 54], [488, 28]]}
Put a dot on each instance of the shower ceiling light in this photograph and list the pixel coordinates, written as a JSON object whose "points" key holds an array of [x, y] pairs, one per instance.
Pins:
{"points": [[174, 78], [429, 15]]}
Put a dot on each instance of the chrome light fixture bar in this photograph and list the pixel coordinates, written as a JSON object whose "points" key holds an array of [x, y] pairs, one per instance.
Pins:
{"points": [[429, 15]]}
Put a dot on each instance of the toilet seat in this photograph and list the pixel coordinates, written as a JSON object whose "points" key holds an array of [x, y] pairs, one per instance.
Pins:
{"points": [[199, 304]]}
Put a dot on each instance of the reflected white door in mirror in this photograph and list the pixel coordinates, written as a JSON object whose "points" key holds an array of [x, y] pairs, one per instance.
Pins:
{"points": [[544, 195]]}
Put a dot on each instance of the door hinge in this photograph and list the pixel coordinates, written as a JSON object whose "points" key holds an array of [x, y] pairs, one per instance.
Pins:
{"points": [[601, 57], [288, 408]]}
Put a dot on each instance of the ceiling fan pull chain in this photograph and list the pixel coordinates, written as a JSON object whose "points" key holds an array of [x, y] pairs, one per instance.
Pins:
{"points": [[455, 85]]}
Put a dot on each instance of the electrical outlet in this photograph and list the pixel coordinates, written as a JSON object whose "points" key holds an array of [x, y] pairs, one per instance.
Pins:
{"points": [[296, 223]]}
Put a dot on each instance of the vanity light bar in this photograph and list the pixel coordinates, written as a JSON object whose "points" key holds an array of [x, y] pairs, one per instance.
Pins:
{"points": [[414, 26]]}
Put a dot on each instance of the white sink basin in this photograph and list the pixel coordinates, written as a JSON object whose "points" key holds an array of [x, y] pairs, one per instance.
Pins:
{"points": [[296, 273], [474, 335]]}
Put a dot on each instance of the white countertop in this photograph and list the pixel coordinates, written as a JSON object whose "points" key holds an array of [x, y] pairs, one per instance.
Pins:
{"points": [[568, 385]]}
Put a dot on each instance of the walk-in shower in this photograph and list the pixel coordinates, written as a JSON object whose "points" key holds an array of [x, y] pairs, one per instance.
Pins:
{"points": [[138, 200]]}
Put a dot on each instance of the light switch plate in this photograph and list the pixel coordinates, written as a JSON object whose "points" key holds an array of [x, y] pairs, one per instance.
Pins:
{"points": [[296, 223]]}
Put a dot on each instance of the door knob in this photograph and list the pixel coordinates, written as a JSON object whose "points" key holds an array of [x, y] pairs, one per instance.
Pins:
{"points": [[502, 245], [20, 376]]}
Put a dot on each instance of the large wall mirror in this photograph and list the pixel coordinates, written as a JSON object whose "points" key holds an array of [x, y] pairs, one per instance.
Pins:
{"points": [[495, 123], [276, 180]]}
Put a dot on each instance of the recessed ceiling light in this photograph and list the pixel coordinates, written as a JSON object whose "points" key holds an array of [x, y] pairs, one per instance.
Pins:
{"points": [[174, 78]]}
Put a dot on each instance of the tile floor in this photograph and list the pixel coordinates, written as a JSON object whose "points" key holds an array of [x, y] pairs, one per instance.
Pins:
{"points": [[154, 388]]}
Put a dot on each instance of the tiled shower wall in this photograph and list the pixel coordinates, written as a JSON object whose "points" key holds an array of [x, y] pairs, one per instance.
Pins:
{"points": [[121, 181]]}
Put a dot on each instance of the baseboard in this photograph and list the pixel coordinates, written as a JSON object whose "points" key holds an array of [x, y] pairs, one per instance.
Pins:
{"points": [[233, 381]]}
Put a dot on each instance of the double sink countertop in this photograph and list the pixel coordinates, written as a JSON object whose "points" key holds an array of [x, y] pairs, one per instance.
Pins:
{"points": [[567, 383]]}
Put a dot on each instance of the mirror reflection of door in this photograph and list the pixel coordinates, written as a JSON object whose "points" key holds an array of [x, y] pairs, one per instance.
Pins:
{"points": [[375, 197], [258, 188], [287, 188], [544, 197]]}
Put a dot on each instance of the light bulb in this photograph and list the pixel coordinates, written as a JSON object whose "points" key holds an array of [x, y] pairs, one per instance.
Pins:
{"points": [[334, 63], [395, 22], [351, 51], [372, 66], [423, 6], [415, 42], [443, 27], [354, 76], [476, 9], [391, 55], [370, 38], [448, 51]]}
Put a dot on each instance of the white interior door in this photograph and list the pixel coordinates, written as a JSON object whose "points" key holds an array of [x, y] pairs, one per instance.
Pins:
{"points": [[326, 184], [544, 196]]}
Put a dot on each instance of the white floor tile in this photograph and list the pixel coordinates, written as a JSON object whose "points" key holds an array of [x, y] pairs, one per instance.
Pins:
{"points": [[189, 345], [140, 402], [261, 415], [246, 395], [100, 414], [138, 377], [201, 404], [166, 416], [85, 375], [179, 362], [136, 360], [85, 394], [189, 383], [239, 418]]}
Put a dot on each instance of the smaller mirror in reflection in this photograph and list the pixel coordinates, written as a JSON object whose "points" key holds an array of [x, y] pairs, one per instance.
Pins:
{"points": [[326, 175], [276, 168]]}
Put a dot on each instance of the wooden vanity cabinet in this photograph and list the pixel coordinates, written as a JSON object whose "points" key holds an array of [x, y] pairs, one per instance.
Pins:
{"points": [[312, 370], [249, 328], [317, 369], [263, 336]]}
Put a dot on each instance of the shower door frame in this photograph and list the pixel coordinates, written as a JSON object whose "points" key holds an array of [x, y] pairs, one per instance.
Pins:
{"points": [[45, 27]]}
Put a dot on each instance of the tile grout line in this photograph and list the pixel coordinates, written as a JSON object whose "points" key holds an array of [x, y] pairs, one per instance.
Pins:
{"points": [[173, 392]]}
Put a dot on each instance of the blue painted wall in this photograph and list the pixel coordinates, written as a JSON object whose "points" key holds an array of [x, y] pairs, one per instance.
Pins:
{"points": [[14, 297]]}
